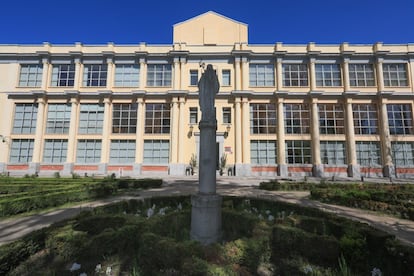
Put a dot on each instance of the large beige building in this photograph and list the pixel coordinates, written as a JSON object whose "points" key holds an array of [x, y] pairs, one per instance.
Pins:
{"points": [[282, 110]]}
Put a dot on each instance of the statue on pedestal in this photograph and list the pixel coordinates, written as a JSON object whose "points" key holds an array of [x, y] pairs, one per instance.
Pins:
{"points": [[208, 87]]}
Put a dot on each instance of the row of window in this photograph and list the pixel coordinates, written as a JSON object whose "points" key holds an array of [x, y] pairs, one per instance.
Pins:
{"points": [[260, 75], [263, 152], [297, 118], [89, 151]]}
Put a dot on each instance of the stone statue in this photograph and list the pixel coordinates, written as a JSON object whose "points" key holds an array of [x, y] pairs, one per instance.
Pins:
{"points": [[208, 87]]}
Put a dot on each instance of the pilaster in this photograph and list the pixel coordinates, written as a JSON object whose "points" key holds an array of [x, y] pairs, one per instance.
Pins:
{"points": [[246, 130], [386, 150], [45, 73], [139, 146], [106, 130], [279, 74], [237, 73], [316, 147], [174, 131], [345, 74], [353, 168], [183, 62], [238, 130], [72, 130], [110, 73], [312, 74], [380, 73], [142, 73], [177, 74], [181, 131], [78, 73], [37, 148], [245, 74], [281, 155]]}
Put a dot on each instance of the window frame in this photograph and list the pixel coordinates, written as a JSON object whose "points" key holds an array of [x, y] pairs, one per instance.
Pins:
{"points": [[127, 75], [370, 156], [159, 75], [400, 119], [226, 77], [334, 124], [326, 76], [361, 75], [331, 151], [21, 153], [263, 118], [295, 75], [264, 153], [58, 119], [92, 149], [156, 152], [63, 75], [33, 75], [120, 154], [261, 75], [365, 118], [398, 78], [58, 151], [25, 120], [157, 118], [91, 118], [193, 77], [95, 75], [124, 118], [298, 152], [297, 118], [405, 150]]}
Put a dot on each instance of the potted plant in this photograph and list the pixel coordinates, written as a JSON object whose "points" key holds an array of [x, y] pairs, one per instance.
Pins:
{"points": [[223, 163], [193, 163]]}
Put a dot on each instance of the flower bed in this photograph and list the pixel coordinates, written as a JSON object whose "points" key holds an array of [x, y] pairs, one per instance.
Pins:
{"points": [[151, 237]]}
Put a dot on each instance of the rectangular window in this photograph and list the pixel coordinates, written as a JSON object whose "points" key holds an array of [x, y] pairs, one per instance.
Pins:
{"points": [[297, 118], [55, 151], [126, 75], [295, 75], [95, 75], [395, 74], [91, 118], [263, 152], [400, 119], [63, 75], [124, 118], [225, 78], [331, 119], [159, 75], [226, 115], [58, 118], [262, 118], [333, 152], [25, 118], [261, 75], [193, 77], [157, 118], [89, 151], [298, 152], [328, 75], [122, 152], [365, 119], [193, 115], [156, 151], [368, 153], [21, 150], [30, 75], [361, 75], [403, 153]]}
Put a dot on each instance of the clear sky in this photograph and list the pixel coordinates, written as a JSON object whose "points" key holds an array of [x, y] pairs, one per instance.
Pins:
{"points": [[269, 21]]}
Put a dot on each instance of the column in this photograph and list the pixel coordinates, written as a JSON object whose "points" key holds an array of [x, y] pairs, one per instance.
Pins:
{"points": [[177, 74], [279, 74], [317, 169], [345, 74], [312, 74], [281, 154], [386, 150], [238, 131], [245, 74], [353, 167], [175, 169], [246, 132], [139, 146], [237, 74], [181, 132], [110, 73], [72, 134], [183, 71], [106, 130], [37, 148], [410, 72], [380, 74], [78, 74], [45, 73], [142, 73]]}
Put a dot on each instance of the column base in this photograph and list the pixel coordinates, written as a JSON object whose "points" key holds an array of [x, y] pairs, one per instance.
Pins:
{"points": [[136, 169], [388, 171], [67, 169], [243, 170], [33, 168], [354, 171], [177, 169], [282, 170], [206, 218], [317, 170]]}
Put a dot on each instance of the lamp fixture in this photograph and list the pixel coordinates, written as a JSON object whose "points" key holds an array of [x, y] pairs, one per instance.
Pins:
{"points": [[190, 131], [226, 133]]}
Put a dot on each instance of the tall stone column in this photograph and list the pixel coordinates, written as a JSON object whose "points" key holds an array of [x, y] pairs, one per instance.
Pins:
{"points": [[238, 135], [279, 74], [206, 204], [245, 74], [110, 73], [181, 134], [139, 141], [380, 74], [386, 150], [175, 168], [142, 73], [317, 169], [78, 73], [177, 74], [183, 84], [345, 74], [106, 130], [70, 159], [237, 73], [45, 73], [410, 71], [37, 148], [312, 74], [281, 155], [246, 169], [353, 167]]}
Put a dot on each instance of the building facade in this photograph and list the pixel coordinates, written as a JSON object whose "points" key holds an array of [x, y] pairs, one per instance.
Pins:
{"points": [[282, 110]]}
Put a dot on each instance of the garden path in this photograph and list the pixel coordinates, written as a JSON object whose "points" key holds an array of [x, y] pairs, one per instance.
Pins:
{"points": [[15, 228]]}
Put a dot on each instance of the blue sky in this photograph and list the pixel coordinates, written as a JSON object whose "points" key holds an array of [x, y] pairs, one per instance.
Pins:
{"points": [[269, 21]]}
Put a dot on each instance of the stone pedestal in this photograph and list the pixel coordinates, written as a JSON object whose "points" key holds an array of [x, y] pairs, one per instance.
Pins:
{"points": [[317, 171], [206, 218], [389, 171], [208, 158]]}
